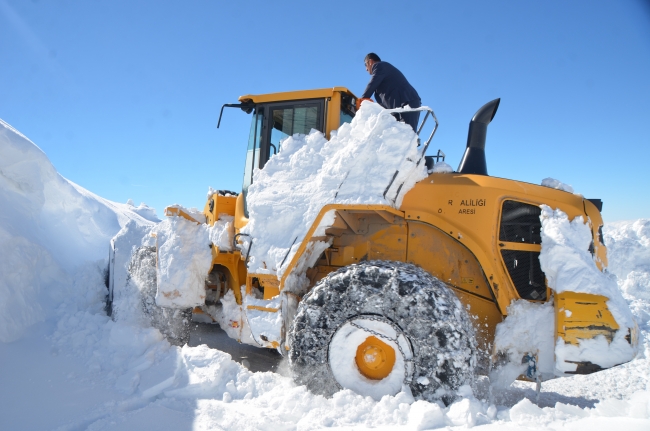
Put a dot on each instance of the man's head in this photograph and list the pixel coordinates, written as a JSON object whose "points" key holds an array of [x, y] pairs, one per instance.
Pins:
{"points": [[371, 59]]}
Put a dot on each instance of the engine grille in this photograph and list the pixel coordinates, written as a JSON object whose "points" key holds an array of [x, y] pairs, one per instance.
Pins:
{"points": [[526, 273], [520, 223]]}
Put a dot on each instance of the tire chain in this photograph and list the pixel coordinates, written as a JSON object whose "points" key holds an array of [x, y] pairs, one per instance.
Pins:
{"points": [[398, 331], [408, 379]]}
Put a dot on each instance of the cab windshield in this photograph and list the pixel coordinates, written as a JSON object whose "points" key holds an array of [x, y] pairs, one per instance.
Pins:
{"points": [[274, 122]]}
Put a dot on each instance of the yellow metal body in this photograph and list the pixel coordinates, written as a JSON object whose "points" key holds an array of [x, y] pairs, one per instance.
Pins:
{"points": [[230, 263], [448, 224], [179, 212], [583, 316], [221, 205]]}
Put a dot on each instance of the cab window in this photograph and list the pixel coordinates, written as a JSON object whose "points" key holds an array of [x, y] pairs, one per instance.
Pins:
{"points": [[253, 152], [289, 120], [348, 108]]}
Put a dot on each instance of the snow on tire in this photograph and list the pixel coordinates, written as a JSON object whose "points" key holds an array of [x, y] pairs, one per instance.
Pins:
{"points": [[378, 325], [174, 324]]}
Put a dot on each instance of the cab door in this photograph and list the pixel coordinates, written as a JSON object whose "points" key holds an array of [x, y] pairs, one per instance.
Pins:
{"points": [[271, 124]]}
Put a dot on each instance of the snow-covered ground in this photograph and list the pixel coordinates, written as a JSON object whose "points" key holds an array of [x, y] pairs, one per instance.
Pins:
{"points": [[66, 365]]}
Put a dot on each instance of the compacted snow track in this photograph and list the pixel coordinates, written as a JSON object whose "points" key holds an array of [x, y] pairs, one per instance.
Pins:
{"points": [[251, 357]]}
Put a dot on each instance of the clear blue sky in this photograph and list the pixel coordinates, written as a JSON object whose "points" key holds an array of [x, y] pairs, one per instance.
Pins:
{"points": [[124, 96]]}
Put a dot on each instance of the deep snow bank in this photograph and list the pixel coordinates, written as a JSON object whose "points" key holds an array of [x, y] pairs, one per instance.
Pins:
{"points": [[356, 166], [628, 246], [51, 228]]}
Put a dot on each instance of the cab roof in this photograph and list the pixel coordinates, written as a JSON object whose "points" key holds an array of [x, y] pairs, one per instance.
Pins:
{"points": [[294, 95]]}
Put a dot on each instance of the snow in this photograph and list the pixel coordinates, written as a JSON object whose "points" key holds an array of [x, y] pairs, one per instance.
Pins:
{"points": [[68, 366], [230, 318], [184, 259], [356, 166], [529, 329], [50, 228], [126, 299], [442, 168], [265, 326], [222, 232], [569, 266], [556, 184]]}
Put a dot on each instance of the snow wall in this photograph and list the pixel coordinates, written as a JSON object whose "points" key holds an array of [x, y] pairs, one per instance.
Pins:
{"points": [[51, 230]]}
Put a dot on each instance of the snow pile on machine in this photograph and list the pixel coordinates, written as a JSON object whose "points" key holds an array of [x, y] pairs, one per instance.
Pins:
{"points": [[184, 260], [373, 160], [628, 246], [569, 267]]}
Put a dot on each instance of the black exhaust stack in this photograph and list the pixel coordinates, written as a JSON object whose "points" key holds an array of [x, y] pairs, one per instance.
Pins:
{"points": [[474, 158]]}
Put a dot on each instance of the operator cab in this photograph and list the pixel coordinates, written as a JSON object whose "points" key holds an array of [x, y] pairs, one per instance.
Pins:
{"points": [[277, 116]]}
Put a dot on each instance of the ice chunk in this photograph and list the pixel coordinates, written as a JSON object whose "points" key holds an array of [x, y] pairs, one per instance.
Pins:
{"points": [[424, 415]]}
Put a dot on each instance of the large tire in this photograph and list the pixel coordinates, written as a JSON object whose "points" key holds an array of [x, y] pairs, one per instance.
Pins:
{"points": [[409, 310], [173, 323]]}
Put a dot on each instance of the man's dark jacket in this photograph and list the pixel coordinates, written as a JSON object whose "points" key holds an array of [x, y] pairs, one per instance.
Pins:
{"points": [[391, 88]]}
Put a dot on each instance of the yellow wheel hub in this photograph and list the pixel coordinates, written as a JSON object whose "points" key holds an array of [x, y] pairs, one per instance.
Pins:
{"points": [[375, 358]]}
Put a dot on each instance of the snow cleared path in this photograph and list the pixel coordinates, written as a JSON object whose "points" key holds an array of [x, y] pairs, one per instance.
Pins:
{"points": [[67, 366], [251, 357]]}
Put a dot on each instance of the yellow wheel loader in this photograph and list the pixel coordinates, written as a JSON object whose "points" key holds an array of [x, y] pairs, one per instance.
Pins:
{"points": [[400, 297]]}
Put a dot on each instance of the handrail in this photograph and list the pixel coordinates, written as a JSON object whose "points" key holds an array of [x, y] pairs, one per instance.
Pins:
{"points": [[429, 111], [235, 244]]}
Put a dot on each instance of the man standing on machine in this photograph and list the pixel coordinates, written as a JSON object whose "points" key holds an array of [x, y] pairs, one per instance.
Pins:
{"points": [[391, 89]]}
